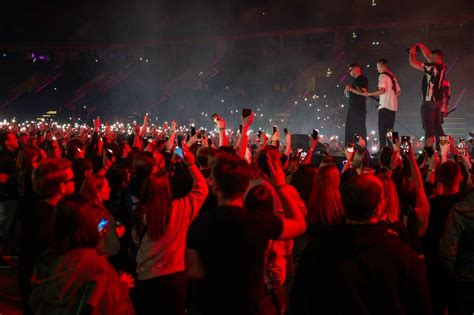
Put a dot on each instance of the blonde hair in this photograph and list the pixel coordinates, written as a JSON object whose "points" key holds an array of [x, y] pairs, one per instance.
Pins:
{"points": [[391, 211], [325, 204]]}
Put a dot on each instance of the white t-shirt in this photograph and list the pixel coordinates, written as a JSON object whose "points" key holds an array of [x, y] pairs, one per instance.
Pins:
{"points": [[389, 99]]}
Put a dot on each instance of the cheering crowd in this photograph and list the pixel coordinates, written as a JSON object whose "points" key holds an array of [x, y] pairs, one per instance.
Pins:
{"points": [[168, 220]]}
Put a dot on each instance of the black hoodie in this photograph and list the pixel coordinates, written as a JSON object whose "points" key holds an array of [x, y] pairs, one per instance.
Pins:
{"points": [[457, 244], [360, 269]]}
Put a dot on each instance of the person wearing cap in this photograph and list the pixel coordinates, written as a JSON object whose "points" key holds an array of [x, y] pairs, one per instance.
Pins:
{"points": [[355, 121], [388, 90], [432, 87]]}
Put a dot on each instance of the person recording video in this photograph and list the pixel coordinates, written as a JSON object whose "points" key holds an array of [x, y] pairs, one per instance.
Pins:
{"points": [[432, 88]]}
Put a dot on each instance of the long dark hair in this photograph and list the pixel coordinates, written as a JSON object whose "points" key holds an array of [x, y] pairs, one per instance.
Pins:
{"points": [[75, 224], [155, 204]]}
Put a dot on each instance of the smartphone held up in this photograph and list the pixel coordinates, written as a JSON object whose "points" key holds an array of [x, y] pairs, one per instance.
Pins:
{"points": [[246, 112], [405, 145], [179, 152], [102, 224], [350, 147]]}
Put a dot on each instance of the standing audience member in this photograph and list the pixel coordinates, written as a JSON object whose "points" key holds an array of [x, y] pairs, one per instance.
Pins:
{"points": [[359, 160], [53, 150], [325, 206], [226, 246], [457, 254], [96, 191], [160, 233], [261, 198], [28, 159], [120, 208], [8, 191], [82, 169], [71, 277], [359, 267], [450, 178], [52, 180]]}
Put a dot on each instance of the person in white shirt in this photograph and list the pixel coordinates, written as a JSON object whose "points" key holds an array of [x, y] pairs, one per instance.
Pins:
{"points": [[388, 90]]}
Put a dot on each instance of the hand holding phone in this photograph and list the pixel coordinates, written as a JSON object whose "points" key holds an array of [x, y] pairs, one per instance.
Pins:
{"points": [[215, 118], [179, 152], [405, 145], [180, 141], [199, 138], [246, 112], [102, 224], [303, 155], [350, 147], [109, 153], [395, 137]]}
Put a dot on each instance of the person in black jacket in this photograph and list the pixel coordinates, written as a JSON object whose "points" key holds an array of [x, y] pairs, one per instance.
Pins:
{"points": [[359, 267], [457, 254], [356, 114]]}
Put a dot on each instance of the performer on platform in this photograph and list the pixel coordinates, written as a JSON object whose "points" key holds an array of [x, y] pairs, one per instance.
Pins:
{"points": [[388, 90], [355, 121], [432, 88]]}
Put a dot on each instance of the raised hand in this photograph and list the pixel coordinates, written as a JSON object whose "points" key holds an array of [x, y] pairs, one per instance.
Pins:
{"points": [[411, 153], [313, 142], [128, 279], [247, 121], [275, 136], [220, 123], [396, 160], [277, 175], [192, 140], [173, 125], [434, 161], [136, 129], [264, 138], [96, 124], [106, 162], [188, 156], [349, 152]]}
